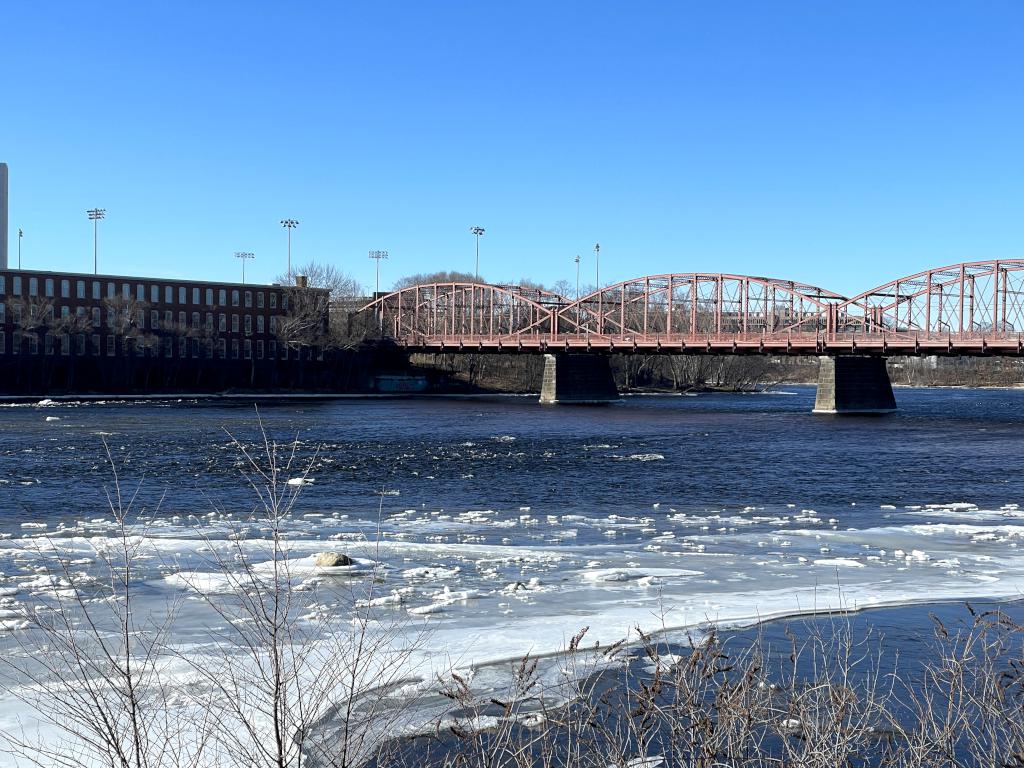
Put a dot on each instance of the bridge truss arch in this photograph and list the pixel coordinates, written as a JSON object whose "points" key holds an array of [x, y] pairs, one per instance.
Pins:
{"points": [[972, 302], [692, 304], [435, 313]]}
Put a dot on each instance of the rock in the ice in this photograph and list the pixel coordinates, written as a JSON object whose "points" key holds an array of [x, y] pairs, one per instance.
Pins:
{"points": [[333, 560]]}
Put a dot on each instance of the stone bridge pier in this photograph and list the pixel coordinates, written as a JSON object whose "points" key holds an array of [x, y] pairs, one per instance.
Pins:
{"points": [[582, 379], [853, 384]]}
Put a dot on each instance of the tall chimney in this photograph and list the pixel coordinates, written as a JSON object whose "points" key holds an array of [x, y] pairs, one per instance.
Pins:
{"points": [[3, 215]]}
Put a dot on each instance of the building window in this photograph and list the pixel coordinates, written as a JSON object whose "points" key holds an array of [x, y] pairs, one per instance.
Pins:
{"points": [[248, 349], [248, 299], [168, 294], [284, 301], [64, 312], [223, 322], [16, 287], [3, 285], [96, 344], [111, 317], [248, 324], [96, 291], [208, 349], [140, 318], [111, 290], [3, 343], [234, 297], [234, 349], [48, 344], [154, 319], [80, 312], [80, 289], [65, 344], [195, 321], [182, 347], [79, 344], [222, 297], [182, 322], [222, 347], [140, 292], [273, 323], [259, 324], [111, 344], [65, 289], [126, 290], [234, 323], [168, 319], [3, 313], [259, 300], [209, 321], [209, 297], [33, 344], [48, 287], [259, 349], [95, 317], [168, 343], [154, 294], [181, 296], [273, 350], [273, 301], [195, 300], [195, 347], [33, 286]]}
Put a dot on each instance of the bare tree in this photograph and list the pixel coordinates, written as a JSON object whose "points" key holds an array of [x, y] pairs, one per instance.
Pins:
{"points": [[88, 661]]}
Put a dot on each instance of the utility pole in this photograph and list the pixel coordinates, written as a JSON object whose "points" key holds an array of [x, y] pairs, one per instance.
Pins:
{"points": [[597, 264], [244, 256], [95, 214], [289, 224], [477, 231], [577, 277], [21, 234]]}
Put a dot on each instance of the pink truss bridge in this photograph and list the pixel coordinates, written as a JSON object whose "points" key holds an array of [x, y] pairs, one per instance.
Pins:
{"points": [[974, 308]]}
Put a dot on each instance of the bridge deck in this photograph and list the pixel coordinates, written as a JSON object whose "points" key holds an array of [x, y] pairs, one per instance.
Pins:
{"points": [[727, 344]]}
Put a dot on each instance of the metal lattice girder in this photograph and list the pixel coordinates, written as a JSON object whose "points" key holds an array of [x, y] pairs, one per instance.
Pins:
{"points": [[962, 300], [693, 303]]}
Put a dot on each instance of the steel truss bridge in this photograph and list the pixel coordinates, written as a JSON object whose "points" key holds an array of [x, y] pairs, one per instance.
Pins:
{"points": [[974, 308]]}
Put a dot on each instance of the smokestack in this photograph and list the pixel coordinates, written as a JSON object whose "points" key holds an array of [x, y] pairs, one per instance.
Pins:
{"points": [[3, 215]]}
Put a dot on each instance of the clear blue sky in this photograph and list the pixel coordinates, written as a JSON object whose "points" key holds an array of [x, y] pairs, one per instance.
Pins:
{"points": [[836, 143]]}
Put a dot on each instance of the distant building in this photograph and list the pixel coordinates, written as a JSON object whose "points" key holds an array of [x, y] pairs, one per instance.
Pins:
{"points": [[97, 323]]}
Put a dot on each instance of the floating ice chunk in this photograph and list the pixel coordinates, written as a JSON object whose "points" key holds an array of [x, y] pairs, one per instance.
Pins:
{"points": [[425, 610], [53, 418], [298, 481], [34, 525], [839, 562]]}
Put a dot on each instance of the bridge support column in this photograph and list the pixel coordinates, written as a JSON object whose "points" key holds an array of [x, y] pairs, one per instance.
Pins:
{"points": [[580, 379], [853, 384]]}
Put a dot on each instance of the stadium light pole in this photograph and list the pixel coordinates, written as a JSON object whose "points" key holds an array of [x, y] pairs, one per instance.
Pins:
{"points": [[477, 231], [577, 260], [95, 214], [597, 264], [289, 224], [244, 256], [21, 234], [377, 256]]}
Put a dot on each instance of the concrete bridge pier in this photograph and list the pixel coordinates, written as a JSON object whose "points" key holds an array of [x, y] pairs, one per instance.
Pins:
{"points": [[578, 379], [853, 384]]}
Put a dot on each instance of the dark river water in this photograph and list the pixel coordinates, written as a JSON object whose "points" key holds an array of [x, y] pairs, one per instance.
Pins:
{"points": [[715, 451]]}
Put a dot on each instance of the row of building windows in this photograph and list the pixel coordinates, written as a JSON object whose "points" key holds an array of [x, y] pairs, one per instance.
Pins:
{"points": [[139, 318], [82, 344], [238, 297]]}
